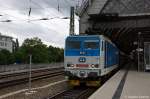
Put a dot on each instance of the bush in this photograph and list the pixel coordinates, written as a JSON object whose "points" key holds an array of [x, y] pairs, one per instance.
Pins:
{"points": [[6, 57]]}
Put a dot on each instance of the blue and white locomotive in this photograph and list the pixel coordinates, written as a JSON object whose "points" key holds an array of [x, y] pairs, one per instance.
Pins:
{"points": [[88, 58]]}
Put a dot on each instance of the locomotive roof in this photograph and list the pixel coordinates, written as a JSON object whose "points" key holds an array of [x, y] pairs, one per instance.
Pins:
{"points": [[102, 36]]}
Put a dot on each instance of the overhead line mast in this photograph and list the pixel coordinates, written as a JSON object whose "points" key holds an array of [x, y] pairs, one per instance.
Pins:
{"points": [[71, 32]]}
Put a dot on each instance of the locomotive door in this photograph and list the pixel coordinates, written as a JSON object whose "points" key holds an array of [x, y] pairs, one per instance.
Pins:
{"points": [[102, 52], [147, 55]]}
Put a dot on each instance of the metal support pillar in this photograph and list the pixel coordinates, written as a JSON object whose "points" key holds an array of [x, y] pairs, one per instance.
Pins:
{"points": [[139, 51], [71, 32]]}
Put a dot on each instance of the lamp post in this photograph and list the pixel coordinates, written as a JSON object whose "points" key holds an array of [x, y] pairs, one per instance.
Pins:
{"points": [[30, 91], [30, 71]]}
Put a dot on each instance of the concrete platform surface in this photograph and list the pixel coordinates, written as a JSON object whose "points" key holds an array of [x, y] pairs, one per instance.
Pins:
{"points": [[137, 86], [125, 85]]}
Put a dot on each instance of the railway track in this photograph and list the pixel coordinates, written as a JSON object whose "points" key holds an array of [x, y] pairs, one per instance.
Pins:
{"points": [[75, 93], [23, 77], [12, 74]]}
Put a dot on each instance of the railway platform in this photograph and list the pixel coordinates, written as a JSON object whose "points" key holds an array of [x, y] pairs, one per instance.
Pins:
{"points": [[125, 84]]}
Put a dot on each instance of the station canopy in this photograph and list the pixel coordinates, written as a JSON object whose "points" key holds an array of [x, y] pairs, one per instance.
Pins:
{"points": [[125, 22]]}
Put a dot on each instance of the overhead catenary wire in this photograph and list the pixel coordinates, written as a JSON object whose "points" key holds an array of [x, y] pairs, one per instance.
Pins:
{"points": [[43, 36], [30, 12], [10, 21], [30, 9], [38, 5]]}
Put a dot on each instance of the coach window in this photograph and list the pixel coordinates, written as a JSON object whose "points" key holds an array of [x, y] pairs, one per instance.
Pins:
{"points": [[91, 44], [73, 45]]}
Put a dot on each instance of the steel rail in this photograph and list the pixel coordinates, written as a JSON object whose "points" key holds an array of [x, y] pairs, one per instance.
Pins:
{"points": [[24, 79], [80, 93]]}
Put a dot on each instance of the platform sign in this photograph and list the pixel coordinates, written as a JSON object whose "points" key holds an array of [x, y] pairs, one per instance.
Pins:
{"points": [[147, 55]]}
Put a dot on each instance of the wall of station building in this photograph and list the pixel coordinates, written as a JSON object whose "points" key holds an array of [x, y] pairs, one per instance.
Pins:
{"points": [[6, 42]]}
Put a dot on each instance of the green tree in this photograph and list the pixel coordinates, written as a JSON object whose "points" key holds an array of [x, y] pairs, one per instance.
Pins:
{"points": [[20, 56], [55, 54], [33, 41], [38, 50], [40, 53], [6, 57], [2, 58]]}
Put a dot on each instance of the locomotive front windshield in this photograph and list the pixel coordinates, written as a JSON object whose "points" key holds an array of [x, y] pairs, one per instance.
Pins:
{"points": [[73, 44], [82, 46], [91, 44], [85, 44]]}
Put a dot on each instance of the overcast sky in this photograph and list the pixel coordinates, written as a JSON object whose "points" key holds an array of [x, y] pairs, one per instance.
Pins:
{"points": [[52, 32]]}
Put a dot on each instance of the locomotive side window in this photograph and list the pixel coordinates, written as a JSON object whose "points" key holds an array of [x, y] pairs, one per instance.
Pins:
{"points": [[102, 45], [91, 44], [73, 44]]}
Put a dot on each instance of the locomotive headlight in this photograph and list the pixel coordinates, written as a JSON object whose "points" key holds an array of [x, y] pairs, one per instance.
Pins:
{"points": [[94, 65], [70, 65]]}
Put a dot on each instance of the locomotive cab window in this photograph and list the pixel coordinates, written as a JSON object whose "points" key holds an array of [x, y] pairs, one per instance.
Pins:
{"points": [[91, 44], [73, 44]]}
